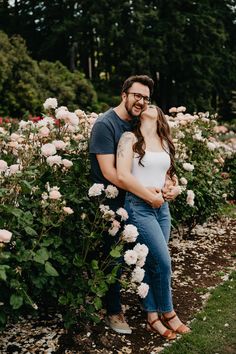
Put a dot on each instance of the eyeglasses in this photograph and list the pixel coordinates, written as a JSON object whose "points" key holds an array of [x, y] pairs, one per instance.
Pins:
{"points": [[138, 97]]}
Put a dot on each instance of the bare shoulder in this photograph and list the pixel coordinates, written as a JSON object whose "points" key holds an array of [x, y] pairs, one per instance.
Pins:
{"points": [[127, 139]]}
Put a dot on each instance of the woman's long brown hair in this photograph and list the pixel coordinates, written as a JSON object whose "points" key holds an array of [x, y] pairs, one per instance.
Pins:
{"points": [[163, 131]]}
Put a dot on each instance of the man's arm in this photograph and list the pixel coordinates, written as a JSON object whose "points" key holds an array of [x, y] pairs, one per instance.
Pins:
{"points": [[107, 165]]}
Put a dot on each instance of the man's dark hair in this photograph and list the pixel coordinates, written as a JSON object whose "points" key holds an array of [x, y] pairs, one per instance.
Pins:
{"points": [[142, 79]]}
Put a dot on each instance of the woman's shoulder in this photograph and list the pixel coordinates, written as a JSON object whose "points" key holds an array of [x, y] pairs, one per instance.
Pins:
{"points": [[128, 136]]}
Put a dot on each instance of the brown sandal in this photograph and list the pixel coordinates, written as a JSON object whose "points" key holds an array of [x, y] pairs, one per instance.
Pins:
{"points": [[168, 334], [182, 329]]}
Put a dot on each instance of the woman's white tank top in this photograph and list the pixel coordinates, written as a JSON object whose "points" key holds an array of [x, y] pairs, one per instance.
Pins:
{"points": [[153, 171]]}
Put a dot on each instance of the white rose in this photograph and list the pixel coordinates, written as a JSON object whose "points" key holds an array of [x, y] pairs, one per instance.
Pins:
{"points": [[5, 235], [50, 103], [48, 150]]}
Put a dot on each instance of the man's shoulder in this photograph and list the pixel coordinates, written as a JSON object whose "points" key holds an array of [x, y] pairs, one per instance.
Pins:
{"points": [[106, 117]]}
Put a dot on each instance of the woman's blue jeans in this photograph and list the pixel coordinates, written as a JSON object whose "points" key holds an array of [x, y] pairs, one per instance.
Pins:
{"points": [[153, 225]]}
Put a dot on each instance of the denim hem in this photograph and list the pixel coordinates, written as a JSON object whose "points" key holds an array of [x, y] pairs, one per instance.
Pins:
{"points": [[159, 310], [114, 313]]}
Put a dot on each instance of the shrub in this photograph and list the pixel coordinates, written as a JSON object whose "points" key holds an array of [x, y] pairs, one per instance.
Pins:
{"points": [[25, 83], [199, 164], [54, 257]]}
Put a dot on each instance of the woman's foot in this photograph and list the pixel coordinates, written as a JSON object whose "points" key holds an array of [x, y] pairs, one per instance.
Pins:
{"points": [[156, 326], [173, 322]]}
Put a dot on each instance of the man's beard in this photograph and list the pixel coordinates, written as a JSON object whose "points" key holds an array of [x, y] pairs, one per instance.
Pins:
{"points": [[129, 111]]}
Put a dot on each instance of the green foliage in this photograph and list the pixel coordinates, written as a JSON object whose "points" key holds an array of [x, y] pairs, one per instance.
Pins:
{"points": [[230, 168], [71, 89], [24, 83], [55, 256], [109, 41], [197, 144]]}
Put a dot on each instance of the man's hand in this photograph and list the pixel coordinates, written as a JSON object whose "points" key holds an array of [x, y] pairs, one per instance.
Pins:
{"points": [[170, 192]]}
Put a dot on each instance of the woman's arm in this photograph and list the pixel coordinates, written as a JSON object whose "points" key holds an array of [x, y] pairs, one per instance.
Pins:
{"points": [[124, 175]]}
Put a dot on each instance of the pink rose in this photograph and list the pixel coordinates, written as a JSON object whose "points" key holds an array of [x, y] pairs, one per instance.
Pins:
{"points": [[54, 194], [5, 235]]}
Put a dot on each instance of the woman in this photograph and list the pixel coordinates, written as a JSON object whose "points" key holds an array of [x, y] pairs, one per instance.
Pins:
{"points": [[146, 157]]}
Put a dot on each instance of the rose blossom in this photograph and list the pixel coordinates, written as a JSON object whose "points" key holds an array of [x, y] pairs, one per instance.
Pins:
{"points": [[122, 213], [183, 181], [68, 210], [111, 192], [72, 119], [188, 167], [130, 233], [137, 275], [15, 137], [46, 122], [108, 215], [44, 132], [15, 168], [142, 290], [3, 165], [5, 235], [141, 249], [190, 197], [59, 144], [54, 194], [50, 103], [80, 113], [67, 163], [141, 261], [96, 189], [54, 160], [114, 228], [211, 146], [173, 110], [130, 257], [181, 109], [48, 150]]}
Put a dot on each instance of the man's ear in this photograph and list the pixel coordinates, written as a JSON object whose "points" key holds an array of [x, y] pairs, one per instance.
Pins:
{"points": [[123, 96]]}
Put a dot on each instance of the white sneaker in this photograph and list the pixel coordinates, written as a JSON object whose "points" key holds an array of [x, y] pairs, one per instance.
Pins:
{"points": [[118, 324]]}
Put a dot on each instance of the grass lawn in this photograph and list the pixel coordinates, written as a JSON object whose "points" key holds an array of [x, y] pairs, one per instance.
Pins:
{"points": [[214, 329]]}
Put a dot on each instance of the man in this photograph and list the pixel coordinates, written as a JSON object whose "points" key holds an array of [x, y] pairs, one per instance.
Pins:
{"points": [[105, 135]]}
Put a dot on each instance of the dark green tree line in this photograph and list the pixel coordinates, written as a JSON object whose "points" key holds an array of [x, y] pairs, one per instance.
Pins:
{"points": [[188, 47]]}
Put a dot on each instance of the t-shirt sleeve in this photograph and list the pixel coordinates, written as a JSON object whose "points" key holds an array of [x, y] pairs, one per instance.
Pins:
{"points": [[102, 139]]}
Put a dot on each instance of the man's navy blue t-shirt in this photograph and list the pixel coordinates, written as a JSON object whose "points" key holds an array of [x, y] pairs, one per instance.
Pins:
{"points": [[104, 139]]}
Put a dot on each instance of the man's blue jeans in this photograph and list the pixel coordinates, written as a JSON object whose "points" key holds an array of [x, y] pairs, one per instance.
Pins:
{"points": [[112, 299], [153, 225]]}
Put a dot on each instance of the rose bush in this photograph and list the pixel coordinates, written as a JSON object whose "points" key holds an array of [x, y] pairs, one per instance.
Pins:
{"points": [[200, 160], [51, 218]]}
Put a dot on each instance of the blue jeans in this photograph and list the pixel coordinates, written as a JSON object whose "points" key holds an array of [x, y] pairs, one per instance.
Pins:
{"points": [[112, 299], [153, 225]]}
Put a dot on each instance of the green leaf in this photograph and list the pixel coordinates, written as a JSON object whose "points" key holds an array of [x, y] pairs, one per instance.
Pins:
{"points": [[3, 318], [94, 264], [51, 270], [116, 252], [26, 186], [3, 275], [30, 231], [16, 301], [41, 256], [16, 212], [78, 261], [98, 303]]}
